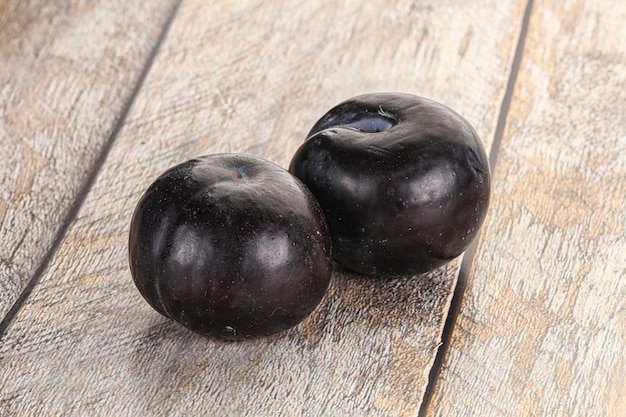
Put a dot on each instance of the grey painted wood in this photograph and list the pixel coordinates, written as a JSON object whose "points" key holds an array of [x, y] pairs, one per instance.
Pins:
{"points": [[68, 70], [542, 328]]}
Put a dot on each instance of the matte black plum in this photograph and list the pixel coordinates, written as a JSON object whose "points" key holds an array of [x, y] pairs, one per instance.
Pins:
{"points": [[403, 181], [231, 246]]}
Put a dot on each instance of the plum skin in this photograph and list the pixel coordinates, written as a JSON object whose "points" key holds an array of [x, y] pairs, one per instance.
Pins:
{"points": [[404, 182], [230, 246]]}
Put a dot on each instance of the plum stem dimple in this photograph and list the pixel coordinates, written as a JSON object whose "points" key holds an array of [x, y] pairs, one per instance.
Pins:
{"points": [[385, 114], [372, 123], [239, 173], [363, 121]]}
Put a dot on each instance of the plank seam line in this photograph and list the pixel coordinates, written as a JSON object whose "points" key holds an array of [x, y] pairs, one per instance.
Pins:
{"points": [[468, 258], [88, 184]]}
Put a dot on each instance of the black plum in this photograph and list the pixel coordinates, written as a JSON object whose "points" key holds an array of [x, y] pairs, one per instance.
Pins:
{"points": [[404, 182], [230, 246]]}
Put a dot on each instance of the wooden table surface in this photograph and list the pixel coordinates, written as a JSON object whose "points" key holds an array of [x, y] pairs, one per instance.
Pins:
{"points": [[98, 97]]}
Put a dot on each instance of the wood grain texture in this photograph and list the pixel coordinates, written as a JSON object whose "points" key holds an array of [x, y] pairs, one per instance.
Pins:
{"points": [[68, 69], [253, 77], [542, 329]]}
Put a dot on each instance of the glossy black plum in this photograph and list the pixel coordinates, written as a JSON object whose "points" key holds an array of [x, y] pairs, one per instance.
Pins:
{"points": [[230, 246], [403, 181]]}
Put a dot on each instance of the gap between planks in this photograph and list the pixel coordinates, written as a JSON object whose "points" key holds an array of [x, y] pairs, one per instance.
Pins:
{"points": [[468, 257]]}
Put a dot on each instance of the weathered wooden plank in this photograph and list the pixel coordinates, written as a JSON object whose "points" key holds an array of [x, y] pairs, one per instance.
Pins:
{"points": [[253, 77], [68, 69], [542, 329]]}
